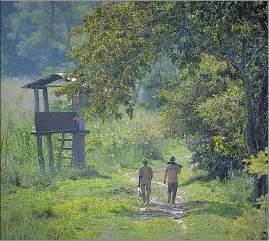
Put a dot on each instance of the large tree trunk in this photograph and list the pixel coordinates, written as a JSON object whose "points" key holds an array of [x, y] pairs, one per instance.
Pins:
{"points": [[261, 124], [261, 130], [254, 136], [249, 133], [249, 136]]}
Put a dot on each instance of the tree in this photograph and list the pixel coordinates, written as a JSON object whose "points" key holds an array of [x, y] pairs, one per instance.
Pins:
{"points": [[239, 36], [123, 42], [9, 58], [225, 113], [200, 112], [40, 32], [162, 76]]}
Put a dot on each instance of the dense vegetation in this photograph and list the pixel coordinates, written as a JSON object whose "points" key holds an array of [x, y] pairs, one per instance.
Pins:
{"points": [[161, 78], [124, 40]]}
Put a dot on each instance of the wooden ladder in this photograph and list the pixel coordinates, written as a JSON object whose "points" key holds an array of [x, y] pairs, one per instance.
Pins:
{"points": [[62, 147]]}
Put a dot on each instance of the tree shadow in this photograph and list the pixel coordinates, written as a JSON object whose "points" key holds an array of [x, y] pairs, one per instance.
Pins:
{"points": [[215, 208]]}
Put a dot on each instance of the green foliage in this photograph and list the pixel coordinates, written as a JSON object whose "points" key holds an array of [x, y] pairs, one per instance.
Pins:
{"points": [[201, 113], [225, 113], [17, 143], [60, 106], [254, 223], [180, 116], [36, 34], [258, 164], [126, 142], [163, 76], [118, 53], [238, 186], [216, 164]]}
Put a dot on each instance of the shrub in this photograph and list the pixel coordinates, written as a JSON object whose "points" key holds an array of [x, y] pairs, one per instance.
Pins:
{"points": [[217, 165], [254, 223], [124, 143], [238, 186]]}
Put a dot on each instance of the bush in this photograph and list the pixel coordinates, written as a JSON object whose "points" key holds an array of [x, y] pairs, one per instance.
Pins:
{"points": [[124, 143], [254, 223], [238, 185], [216, 164]]}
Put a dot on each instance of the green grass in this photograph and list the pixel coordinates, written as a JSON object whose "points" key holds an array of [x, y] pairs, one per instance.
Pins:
{"points": [[211, 206], [74, 210], [98, 207]]}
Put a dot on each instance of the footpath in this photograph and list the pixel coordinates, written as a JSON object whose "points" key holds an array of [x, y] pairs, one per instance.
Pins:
{"points": [[156, 208]]}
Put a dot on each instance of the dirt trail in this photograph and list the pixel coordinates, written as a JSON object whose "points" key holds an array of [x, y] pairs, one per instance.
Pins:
{"points": [[175, 212]]}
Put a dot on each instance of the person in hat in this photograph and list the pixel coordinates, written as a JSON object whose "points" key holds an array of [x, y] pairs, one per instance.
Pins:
{"points": [[145, 177], [172, 170]]}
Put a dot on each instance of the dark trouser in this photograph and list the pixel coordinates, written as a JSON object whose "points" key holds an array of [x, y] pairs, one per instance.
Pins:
{"points": [[172, 187], [148, 188]]}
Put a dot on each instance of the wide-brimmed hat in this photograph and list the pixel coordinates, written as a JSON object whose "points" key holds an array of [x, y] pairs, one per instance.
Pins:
{"points": [[172, 159], [145, 161]]}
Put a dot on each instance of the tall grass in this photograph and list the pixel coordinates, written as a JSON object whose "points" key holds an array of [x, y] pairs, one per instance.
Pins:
{"points": [[123, 143], [110, 147], [17, 145]]}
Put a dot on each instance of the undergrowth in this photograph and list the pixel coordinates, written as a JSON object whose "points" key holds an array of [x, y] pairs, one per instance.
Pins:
{"points": [[99, 202]]}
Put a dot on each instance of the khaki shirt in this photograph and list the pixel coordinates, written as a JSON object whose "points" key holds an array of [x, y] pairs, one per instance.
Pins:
{"points": [[146, 174], [172, 171]]}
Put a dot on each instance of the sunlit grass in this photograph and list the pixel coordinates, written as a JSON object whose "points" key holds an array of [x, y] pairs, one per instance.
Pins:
{"points": [[100, 202], [88, 209]]}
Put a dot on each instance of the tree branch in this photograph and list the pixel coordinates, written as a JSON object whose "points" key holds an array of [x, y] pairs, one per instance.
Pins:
{"points": [[256, 52], [50, 29]]}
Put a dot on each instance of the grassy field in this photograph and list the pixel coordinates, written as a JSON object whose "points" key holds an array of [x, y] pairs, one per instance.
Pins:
{"points": [[104, 206], [101, 203], [11, 90]]}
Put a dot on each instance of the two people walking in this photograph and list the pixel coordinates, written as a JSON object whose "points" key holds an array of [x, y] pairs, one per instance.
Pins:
{"points": [[145, 177]]}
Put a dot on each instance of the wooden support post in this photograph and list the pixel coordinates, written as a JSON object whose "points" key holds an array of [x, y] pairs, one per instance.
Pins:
{"points": [[75, 149], [36, 99], [50, 153], [60, 152], [48, 136], [81, 150], [74, 105], [46, 99], [75, 138], [81, 136], [39, 136], [40, 153]]}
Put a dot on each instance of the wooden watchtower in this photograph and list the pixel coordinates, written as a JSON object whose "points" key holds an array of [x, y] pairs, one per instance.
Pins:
{"points": [[47, 123]]}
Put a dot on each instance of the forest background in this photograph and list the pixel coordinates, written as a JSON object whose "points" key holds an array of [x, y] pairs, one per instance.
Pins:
{"points": [[155, 72]]}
